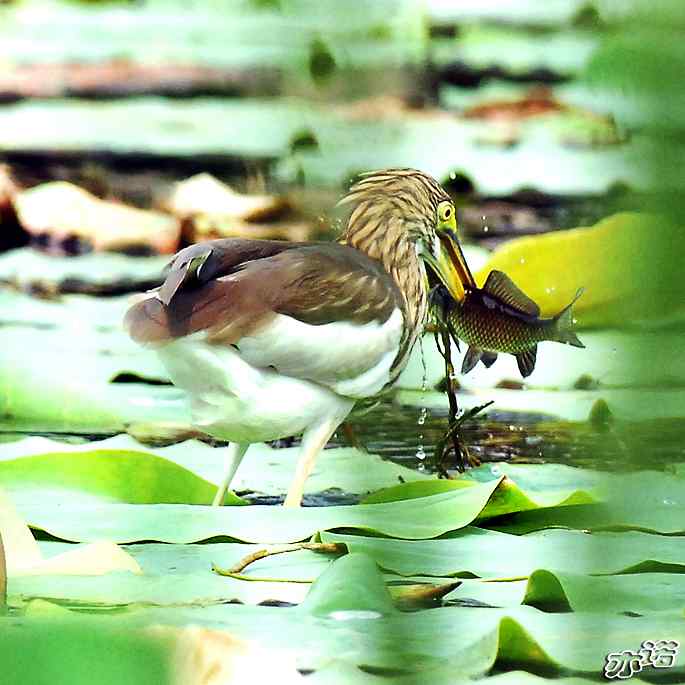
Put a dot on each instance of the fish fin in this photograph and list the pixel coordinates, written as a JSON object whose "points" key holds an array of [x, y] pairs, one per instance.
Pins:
{"points": [[526, 361], [471, 358], [563, 327], [500, 286], [488, 358]]}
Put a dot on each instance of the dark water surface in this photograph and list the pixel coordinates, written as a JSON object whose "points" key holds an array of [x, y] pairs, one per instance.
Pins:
{"points": [[393, 432]]}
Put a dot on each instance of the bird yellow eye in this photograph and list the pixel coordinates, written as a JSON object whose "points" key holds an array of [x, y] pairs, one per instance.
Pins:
{"points": [[446, 214]]}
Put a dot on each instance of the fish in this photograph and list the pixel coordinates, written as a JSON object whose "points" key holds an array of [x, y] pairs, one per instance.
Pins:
{"points": [[501, 318]]}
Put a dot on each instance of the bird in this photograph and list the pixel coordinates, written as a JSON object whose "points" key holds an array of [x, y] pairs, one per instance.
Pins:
{"points": [[272, 339]]}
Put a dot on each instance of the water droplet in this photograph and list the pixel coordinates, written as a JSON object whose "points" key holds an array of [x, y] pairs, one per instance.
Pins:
{"points": [[485, 229], [423, 411], [453, 175], [522, 260], [424, 378]]}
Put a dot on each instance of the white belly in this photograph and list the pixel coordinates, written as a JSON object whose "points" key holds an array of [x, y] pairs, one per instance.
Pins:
{"points": [[235, 401], [351, 359]]}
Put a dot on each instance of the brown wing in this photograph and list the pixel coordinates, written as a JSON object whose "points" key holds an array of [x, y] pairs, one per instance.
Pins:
{"points": [[206, 261], [233, 294]]}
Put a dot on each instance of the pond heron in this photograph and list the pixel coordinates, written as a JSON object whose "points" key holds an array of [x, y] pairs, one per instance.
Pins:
{"points": [[273, 339]]}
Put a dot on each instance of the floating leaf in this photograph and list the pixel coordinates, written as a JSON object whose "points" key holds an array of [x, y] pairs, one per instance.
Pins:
{"points": [[80, 366], [637, 593], [412, 519], [417, 489], [90, 273], [106, 475], [526, 487], [645, 500], [362, 629], [342, 673], [495, 555], [80, 651], [470, 640], [75, 403], [352, 584], [177, 589], [169, 470]]}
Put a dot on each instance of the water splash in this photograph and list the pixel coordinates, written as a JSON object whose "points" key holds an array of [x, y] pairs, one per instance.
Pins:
{"points": [[423, 411]]}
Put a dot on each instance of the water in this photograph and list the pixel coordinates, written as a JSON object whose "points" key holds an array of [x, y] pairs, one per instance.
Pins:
{"points": [[423, 411], [390, 431]]}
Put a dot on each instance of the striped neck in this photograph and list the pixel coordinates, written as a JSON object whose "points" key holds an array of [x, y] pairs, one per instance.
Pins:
{"points": [[385, 239]]}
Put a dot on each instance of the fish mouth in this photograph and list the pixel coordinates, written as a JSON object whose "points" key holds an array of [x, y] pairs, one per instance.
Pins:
{"points": [[451, 268]]}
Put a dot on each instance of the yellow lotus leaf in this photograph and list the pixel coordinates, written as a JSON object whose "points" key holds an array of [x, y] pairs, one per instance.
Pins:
{"points": [[616, 260]]}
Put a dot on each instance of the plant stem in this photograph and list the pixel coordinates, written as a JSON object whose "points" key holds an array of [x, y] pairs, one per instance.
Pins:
{"points": [[325, 547]]}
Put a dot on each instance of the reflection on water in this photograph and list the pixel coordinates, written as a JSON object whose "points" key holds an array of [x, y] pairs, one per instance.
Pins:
{"points": [[391, 431]]}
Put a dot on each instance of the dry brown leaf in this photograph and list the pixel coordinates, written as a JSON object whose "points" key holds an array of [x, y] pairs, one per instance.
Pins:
{"points": [[63, 210], [373, 108], [23, 557], [21, 549], [209, 226], [120, 77], [215, 657], [204, 194], [8, 188], [534, 103]]}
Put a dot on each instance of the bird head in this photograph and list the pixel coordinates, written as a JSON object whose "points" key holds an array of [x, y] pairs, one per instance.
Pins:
{"points": [[396, 208]]}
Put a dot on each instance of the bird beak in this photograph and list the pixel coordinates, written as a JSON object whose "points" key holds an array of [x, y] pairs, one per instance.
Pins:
{"points": [[450, 266]]}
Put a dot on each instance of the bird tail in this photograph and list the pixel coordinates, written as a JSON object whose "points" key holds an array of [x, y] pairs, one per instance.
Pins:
{"points": [[563, 324]]}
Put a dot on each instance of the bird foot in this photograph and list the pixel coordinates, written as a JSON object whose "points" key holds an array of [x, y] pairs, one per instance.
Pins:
{"points": [[452, 442]]}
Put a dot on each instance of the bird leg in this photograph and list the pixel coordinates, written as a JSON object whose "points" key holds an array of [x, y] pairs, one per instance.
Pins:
{"points": [[462, 455], [313, 441], [461, 452], [236, 452]]}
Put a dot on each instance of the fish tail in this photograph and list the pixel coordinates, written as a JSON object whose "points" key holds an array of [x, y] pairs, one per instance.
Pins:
{"points": [[563, 324]]}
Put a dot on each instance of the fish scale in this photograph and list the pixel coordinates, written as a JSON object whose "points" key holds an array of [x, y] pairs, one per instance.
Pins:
{"points": [[492, 330], [501, 318]]}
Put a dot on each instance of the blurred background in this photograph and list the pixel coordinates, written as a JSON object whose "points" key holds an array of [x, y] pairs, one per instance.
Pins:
{"points": [[131, 129]]}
